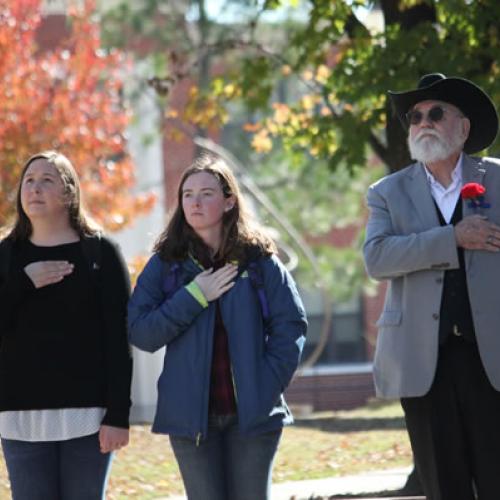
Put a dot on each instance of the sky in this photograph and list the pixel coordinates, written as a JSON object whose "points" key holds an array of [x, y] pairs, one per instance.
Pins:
{"points": [[216, 10]]}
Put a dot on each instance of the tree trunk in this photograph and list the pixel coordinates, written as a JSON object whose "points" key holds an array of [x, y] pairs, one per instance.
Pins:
{"points": [[397, 156]]}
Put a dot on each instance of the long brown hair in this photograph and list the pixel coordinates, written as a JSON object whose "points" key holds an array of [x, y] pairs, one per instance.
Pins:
{"points": [[240, 232], [79, 221]]}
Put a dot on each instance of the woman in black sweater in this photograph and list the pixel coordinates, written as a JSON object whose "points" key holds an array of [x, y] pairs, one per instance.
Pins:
{"points": [[65, 364]]}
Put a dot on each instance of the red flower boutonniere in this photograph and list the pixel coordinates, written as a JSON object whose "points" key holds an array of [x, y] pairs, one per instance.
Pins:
{"points": [[474, 193]]}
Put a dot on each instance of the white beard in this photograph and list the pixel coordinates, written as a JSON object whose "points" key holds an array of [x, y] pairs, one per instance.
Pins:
{"points": [[430, 146]]}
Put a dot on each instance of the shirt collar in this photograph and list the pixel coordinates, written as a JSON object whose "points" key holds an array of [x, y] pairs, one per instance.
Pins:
{"points": [[456, 176]]}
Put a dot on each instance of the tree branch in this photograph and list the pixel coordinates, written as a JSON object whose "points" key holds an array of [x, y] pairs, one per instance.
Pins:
{"points": [[380, 149]]}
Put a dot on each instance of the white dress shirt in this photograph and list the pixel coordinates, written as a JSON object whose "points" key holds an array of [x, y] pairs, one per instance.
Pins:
{"points": [[50, 425], [446, 197]]}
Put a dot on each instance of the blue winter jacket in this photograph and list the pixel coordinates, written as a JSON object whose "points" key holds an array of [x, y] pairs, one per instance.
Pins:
{"points": [[263, 359]]}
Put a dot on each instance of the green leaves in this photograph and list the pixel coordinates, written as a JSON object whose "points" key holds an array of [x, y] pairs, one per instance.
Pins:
{"points": [[310, 93], [256, 81], [271, 4]]}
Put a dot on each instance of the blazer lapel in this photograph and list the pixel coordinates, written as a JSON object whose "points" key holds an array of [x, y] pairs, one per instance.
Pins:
{"points": [[473, 170], [420, 194]]}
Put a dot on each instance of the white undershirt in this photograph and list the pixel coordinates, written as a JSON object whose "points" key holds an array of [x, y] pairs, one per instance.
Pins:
{"points": [[446, 198], [50, 425]]}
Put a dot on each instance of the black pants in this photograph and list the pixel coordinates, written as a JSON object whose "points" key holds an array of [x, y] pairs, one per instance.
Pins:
{"points": [[455, 428]]}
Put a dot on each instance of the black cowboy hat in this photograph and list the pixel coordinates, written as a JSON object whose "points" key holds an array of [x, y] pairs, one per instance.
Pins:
{"points": [[465, 95]]}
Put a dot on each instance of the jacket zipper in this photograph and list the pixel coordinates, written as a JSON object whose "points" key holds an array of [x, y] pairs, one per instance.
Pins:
{"points": [[233, 378], [199, 435], [204, 414], [234, 384]]}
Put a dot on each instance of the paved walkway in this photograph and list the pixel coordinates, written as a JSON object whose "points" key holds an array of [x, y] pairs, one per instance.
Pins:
{"points": [[391, 479]]}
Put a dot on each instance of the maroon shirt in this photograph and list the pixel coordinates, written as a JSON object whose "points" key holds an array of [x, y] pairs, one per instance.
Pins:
{"points": [[222, 398], [222, 394]]}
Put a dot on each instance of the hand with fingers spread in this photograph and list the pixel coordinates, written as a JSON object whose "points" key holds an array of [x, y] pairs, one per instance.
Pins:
{"points": [[213, 284], [48, 272], [476, 232]]}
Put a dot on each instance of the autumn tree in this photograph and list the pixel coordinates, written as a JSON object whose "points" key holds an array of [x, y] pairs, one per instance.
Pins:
{"points": [[340, 62], [67, 98], [309, 91], [348, 64]]}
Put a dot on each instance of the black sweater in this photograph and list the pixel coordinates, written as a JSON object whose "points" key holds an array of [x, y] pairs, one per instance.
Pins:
{"points": [[65, 345]]}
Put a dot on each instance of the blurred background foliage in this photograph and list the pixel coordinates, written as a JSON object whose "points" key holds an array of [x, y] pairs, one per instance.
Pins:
{"points": [[66, 97], [298, 89], [295, 89]]}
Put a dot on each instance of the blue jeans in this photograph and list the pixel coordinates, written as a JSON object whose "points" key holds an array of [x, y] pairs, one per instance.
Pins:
{"points": [[57, 470], [226, 465]]}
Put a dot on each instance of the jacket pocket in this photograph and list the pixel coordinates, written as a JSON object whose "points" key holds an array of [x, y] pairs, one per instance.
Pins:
{"points": [[389, 318], [262, 398]]}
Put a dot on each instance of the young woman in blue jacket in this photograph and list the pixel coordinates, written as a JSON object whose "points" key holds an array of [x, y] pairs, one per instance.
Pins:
{"points": [[220, 394]]}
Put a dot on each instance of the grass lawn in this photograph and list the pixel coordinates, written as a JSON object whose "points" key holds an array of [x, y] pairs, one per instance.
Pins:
{"points": [[322, 445]]}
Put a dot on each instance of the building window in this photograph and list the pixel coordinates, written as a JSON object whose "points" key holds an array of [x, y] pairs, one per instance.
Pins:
{"points": [[346, 341], [59, 6]]}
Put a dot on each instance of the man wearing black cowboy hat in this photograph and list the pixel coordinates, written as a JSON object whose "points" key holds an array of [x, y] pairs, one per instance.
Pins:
{"points": [[438, 246]]}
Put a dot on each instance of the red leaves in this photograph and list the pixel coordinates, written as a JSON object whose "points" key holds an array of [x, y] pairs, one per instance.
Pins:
{"points": [[67, 98]]}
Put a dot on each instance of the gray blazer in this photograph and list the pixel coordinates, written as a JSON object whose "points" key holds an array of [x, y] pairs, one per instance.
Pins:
{"points": [[406, 246]]}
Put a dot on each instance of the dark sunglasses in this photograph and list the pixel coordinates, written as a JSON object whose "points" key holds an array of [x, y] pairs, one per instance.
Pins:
{"points": [[435, 114]]}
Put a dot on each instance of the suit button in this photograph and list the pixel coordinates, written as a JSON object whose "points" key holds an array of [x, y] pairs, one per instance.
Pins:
{"points": [[456, 332], [435, 316], [439, 280]]}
